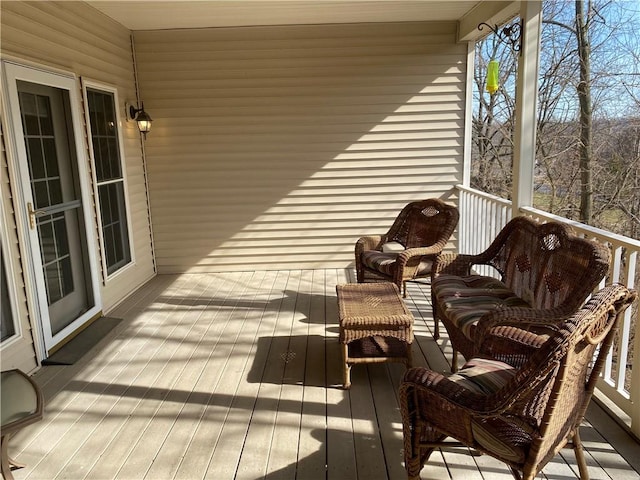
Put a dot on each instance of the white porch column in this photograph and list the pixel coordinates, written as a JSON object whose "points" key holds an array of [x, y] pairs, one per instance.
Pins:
{"points": [[526, 106]]}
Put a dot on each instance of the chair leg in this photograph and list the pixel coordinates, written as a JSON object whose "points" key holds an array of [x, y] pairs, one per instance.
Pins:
{"points": [[454, 362], [346, 372], [580, 458], [516, 474], [436, 322]]}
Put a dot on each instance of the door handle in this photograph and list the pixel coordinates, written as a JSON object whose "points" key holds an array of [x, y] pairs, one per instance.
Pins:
{"points": [[33, 214]]}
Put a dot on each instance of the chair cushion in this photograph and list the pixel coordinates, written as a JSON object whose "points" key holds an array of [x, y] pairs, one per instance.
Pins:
{"points": [[465, 299], [385, 263], [18, 398], [392, 247], [484, 376], [382, 262], [508, 441]]}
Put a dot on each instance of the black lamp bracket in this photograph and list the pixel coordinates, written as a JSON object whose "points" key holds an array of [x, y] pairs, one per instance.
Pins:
{"points": [[133, 111], [509, 34]]}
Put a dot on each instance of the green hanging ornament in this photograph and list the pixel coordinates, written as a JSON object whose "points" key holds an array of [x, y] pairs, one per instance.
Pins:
{"points": [[493, 76]]}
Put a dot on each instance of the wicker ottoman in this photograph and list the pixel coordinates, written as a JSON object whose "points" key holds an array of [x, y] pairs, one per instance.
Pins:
{"points": [[375, 325]]}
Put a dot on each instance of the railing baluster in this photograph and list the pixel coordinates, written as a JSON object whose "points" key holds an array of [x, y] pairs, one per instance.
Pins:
{"points": [[624, 332]]}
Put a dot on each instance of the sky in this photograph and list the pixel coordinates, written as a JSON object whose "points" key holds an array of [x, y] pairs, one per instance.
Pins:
{"points": [[615, 59]]}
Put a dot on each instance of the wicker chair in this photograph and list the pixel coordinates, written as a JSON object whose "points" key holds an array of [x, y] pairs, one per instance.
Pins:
{"points": [[543, 268], [523, 398], [420, 232]]}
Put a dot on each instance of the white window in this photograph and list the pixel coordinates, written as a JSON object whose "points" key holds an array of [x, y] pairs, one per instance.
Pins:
{"points": [[7, 322], [106, 146], [9, 326]]}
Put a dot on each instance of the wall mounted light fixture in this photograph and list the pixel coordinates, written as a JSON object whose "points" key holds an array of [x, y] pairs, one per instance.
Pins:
{"points": [[142, 118]]}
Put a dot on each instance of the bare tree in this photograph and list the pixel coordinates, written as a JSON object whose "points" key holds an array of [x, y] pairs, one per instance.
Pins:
{"points": [[588, 133], [493, 122], [586, 114]]}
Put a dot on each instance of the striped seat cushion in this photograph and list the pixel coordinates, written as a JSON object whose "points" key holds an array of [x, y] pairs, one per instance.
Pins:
{"points": [[502, 438], [484, 376], [385, 263], [466, 299]]}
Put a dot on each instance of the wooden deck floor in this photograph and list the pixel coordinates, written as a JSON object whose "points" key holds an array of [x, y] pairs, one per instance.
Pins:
{"points": [[234, 376]]}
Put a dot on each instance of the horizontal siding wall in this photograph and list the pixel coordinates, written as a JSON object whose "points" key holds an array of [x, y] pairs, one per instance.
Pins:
{"points": [[18, 352], [277, 147], [76, 38]]}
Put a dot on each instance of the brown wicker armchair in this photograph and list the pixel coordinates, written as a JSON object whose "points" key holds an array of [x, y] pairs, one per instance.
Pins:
{"points": [[543, 268], [523, 398], [421, 231]]}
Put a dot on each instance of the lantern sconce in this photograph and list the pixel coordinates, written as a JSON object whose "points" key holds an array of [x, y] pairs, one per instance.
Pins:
{"points": [[509, 34], [142, 118]]}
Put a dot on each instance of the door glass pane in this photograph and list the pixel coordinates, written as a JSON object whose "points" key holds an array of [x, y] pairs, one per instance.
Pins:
{"points": [[56, 261], [40, 194], [44, 115], [47, 245], [108, 168], [53, 282], [29, 114], [49, 149], [55, 193], [43, 159], [38, 169], [7, 327]]}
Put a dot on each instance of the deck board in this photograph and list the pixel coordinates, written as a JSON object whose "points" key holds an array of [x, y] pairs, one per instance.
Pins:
{"points": [[238, 376]]}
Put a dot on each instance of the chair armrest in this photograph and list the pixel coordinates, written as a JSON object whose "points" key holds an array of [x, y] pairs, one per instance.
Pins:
{"points": [[436, 391], [453, 264], [406, 255], [408, 261], [438, 385], [513, 342], [532, 326], [369, 242], [512, 335], [523, 318]]}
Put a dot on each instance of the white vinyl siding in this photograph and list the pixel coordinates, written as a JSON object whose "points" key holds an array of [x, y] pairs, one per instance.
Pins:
{"points": [[277, 147], [18, 351], [75, 38]]}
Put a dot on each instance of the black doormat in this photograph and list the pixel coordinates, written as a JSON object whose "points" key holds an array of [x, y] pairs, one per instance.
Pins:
{"points": [[71, 352]]}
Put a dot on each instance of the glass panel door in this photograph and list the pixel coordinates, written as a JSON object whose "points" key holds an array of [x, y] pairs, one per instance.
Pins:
{"points": [[56, 211]]}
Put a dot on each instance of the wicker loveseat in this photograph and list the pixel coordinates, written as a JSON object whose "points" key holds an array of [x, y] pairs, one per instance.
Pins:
{"points": [[542, 268]]}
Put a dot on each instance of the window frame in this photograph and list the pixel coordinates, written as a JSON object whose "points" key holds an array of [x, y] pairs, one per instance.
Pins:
{"points": [[111, 90], [7, 265]]}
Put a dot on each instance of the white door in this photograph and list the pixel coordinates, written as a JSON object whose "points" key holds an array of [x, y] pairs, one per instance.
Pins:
{"points": [[53, 181]]}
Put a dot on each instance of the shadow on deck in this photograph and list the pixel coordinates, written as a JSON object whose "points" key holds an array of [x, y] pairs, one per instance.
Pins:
{"points": [[237, 376]]}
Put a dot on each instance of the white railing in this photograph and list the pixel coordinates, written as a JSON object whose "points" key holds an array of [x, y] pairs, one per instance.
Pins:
{"points": [[482, 216], [474, 235]]}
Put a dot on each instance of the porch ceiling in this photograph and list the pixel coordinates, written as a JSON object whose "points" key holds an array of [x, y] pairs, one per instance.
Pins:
{"points": [[158, 15]]}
